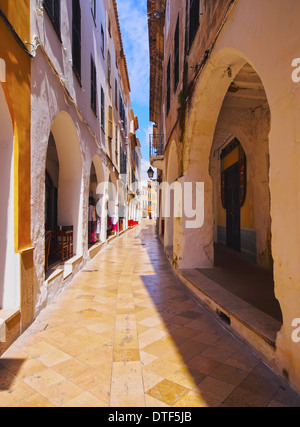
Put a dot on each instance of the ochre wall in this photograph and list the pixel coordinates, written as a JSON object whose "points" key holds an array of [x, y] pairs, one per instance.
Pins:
{"points": [[17, 91]]}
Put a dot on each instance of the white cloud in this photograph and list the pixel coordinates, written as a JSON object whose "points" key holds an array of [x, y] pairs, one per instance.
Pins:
{"points": [[147, 131], [134, 28], [144, 168]]}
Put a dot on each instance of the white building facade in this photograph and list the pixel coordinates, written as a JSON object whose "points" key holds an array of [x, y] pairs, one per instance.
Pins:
{"points": [[80, 97]]}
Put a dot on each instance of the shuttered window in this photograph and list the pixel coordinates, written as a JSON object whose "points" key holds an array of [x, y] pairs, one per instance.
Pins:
{"points": [[93, 86], [176, 56], [102, 109], [110, 122], [194, 19], [102, 41], [169, 86], [109, 68], [76, 38], [52, 8], [94, 9], [116, 93]]}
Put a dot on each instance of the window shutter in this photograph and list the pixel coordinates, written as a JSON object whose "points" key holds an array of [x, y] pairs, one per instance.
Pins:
{"points": [[176, 56], [76, 38], [110, 122], [169, 86], [102, 108], [194, 19], [52, 8], [93, 86]]}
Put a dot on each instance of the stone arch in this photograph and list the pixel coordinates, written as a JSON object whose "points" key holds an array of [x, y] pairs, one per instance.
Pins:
{"points": [[208, 98], [9, 266], [64, 145], [98, 192], [245, 117], [113, 203], [172, 176]]}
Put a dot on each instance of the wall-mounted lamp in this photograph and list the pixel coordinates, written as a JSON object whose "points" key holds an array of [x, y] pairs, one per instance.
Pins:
{"points": [[150, 173]]}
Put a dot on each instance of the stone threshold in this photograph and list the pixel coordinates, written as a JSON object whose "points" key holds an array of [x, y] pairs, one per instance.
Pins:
{"points": [[253, 327], [228, 304], [8, 318]]}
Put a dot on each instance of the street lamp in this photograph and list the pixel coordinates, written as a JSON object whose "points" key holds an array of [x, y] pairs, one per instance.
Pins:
{"points": [[150, 173]]}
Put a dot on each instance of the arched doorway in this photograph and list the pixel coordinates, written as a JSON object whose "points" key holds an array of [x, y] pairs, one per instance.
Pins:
{"points": [[112, 206], [9, 265], [227, 149], [239, 167], [172, 176], [63, 181], [96, 203]]}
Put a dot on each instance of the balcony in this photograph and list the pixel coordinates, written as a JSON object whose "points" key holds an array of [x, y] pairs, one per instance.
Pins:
{"points": [[157, 151]]}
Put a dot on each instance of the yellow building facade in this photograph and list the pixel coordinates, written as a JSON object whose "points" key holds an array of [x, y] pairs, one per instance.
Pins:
{"points": [[16, 254]]}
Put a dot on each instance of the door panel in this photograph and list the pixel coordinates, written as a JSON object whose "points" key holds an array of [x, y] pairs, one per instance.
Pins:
{"points": [[233, 211]]}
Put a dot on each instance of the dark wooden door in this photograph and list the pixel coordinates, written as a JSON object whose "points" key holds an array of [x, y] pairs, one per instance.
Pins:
{"points": [[233, 211]]}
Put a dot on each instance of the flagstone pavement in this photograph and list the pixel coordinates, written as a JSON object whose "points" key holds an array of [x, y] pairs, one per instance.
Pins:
{"points": [[125, 333]]}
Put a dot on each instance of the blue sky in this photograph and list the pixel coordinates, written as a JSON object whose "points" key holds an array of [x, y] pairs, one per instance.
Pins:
{"points": [[134, 28]]}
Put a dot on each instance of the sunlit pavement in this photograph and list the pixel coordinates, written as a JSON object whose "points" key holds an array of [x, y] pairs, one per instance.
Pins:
{"points": [[126, 333]]}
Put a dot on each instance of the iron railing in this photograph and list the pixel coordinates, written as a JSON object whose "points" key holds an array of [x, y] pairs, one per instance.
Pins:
{"points": [[157, 145]]}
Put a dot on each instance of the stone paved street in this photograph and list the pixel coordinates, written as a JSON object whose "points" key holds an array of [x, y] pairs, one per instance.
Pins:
{"points": [[126, 333]]}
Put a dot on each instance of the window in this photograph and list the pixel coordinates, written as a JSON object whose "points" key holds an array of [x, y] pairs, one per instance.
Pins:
{"points": [[76, 38], [102, 41], [169, 86], [102, 109], [110, 122], [116, 93], [176, 56], [108, 67], [94, 9], [109, 27], [168, 10], [194, 19], [123, 162], [52, 8], [93, 86], [122, 112], [117, 145]]}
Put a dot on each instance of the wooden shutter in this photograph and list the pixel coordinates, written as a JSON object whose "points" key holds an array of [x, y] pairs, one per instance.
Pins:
{"points": [[110, 122], [93, 86], [176, 56], [76, 38]]}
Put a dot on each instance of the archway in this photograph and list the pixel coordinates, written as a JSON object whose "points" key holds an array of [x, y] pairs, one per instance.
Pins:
{"points": [[96, 203], [228, 150], [239, 167], [63, 205], [9, 266], [172, 176], [241, 141], [112, 206]]}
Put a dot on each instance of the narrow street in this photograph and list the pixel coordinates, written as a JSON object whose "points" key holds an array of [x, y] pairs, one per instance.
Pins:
{"points": [[126, 333]]}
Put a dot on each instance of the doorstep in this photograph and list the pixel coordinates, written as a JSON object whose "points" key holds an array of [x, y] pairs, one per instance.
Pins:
{"points": [[247, 321], [95, 249], [260, 323], [72, 266], [9, 318]]}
